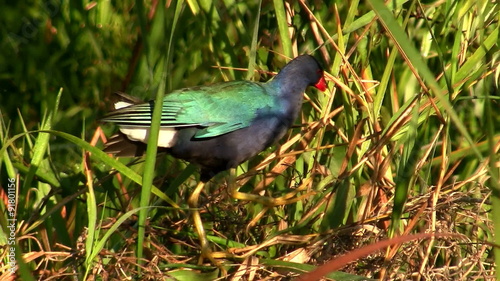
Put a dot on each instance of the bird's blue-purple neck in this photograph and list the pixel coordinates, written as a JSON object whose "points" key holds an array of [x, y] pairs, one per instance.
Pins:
{"points": [[295, 77]]}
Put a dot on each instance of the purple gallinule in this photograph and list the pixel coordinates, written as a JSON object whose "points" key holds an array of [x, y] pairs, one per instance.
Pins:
{"points": [[219, 126]]}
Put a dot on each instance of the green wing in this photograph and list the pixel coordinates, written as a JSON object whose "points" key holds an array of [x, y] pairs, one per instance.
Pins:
{"points": [[218, 109]]}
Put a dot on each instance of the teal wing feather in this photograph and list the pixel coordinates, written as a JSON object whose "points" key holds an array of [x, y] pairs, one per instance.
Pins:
{"points": [[218, 109]]}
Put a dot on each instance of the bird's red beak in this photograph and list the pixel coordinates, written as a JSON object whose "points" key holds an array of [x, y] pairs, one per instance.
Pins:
{"points": [[321, 85]]}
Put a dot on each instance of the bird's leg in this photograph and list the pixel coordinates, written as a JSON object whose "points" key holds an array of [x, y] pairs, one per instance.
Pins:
{"points": [[206, 252], [286, 199], [268, 202]]}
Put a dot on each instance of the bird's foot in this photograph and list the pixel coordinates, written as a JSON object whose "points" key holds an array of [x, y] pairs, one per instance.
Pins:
{"points": [[206, 253], [268, 202], [205, 250], [286, 199]]}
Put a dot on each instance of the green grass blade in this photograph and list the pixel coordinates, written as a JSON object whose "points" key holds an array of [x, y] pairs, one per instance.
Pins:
{"points": [[472, 62], [286, 41], [406, 174], [99, 245], [252, 59], [413, 57], [301, 268], [4, 157], [24, 271], [494, 173], [149, 165], [92, 222], [41, 144]]}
